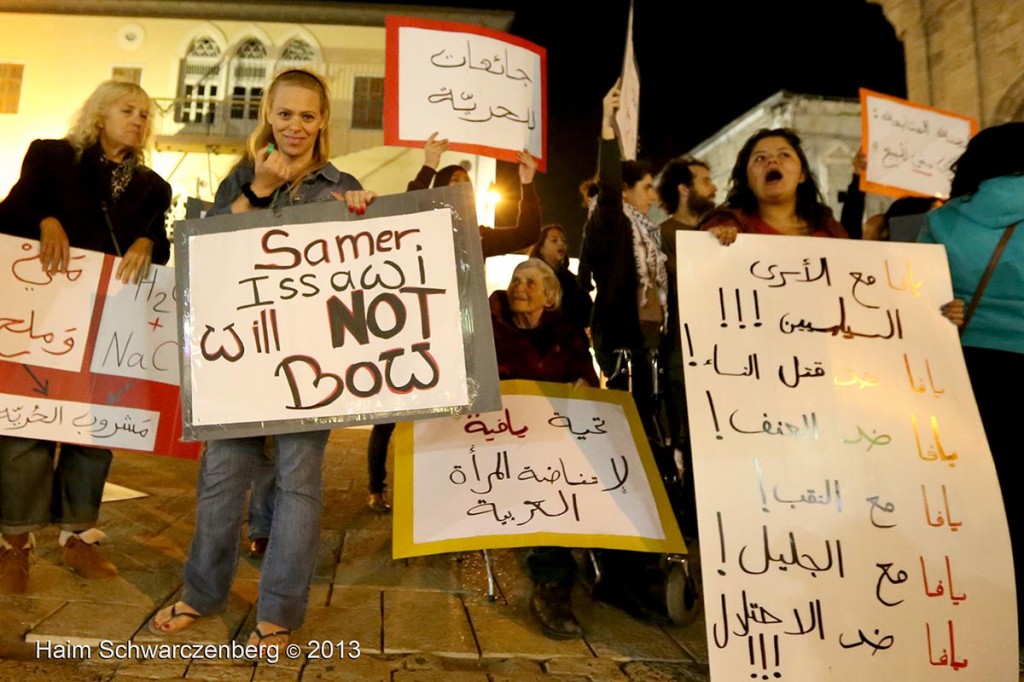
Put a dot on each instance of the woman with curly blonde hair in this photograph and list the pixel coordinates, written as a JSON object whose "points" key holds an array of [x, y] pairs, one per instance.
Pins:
{"points": [[89, 121], [89, 190]]}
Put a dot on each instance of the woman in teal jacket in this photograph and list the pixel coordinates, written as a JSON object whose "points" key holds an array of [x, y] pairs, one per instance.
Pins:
{"points": [[986, 198]]}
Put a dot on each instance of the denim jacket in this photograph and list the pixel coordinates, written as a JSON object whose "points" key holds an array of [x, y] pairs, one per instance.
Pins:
{"points": [[315, 187]]}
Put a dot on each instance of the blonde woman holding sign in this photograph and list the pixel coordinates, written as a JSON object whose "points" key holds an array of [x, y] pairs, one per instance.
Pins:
{"points": [[89, 190], [287, 164]]}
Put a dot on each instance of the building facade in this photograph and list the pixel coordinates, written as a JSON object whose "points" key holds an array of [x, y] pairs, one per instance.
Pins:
{"points": [[206, 65], [965, 56]]}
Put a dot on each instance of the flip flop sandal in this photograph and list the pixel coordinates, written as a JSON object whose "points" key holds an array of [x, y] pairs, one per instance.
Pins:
{"points": [[260, 636], [157, 630]]}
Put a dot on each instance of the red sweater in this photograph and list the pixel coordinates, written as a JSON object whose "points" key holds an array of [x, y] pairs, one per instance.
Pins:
{"points": [[752, 223], [565, 359]]}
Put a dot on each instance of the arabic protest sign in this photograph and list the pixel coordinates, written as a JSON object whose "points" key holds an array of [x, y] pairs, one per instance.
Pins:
{"points": [[311, 316], [554, 466], [850, 516], [85, 358], [910, 147], [484, 90], [627, 117]]}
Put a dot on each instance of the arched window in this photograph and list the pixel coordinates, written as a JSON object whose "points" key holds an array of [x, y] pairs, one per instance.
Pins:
{"points": [[251, 49], [249, 74], [200, 82], [203, 47], [297, 51]]}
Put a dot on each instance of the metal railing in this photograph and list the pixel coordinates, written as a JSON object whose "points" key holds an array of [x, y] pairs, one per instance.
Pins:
{"points": [[206, 117]]}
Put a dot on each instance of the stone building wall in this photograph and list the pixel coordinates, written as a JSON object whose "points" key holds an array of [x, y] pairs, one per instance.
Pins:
{"points": [[965, 56]]}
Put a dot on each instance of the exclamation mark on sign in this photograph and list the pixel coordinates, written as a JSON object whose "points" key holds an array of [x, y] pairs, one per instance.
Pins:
{"points": [[714, 415], [739, 308], [689, 345]]}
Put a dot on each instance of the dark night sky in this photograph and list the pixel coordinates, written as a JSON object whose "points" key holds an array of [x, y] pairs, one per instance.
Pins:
{"points": [[701, 63]]}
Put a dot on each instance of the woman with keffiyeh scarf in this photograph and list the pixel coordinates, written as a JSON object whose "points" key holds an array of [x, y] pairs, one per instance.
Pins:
{"points": [[622, 252]]}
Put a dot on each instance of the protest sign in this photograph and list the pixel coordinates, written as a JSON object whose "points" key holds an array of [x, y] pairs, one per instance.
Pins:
{"points": [[310, 316], [485, 91], [554, 466], [627, 116], [85, 358], [910, 147], [850, 518]]}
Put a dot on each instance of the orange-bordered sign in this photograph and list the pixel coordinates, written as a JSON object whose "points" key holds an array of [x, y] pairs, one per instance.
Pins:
{"points": [[909, 147], [483, 90]]}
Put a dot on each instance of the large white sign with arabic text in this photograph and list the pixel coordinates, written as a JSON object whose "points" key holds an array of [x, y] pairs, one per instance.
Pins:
{"points": [[850, 518], [556, 466]]}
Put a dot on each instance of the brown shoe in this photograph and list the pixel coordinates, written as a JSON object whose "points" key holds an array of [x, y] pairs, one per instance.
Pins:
{"points": [[378, 502], [552, 607], [14, 568], [87, 561]]}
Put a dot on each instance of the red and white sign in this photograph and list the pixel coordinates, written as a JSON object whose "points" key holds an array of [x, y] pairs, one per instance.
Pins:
{"points": [[85, 358], [483, 90]]}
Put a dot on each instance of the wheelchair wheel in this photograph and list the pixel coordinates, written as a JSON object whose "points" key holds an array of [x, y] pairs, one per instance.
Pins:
{"points": [[588, 568], [684, 597]]}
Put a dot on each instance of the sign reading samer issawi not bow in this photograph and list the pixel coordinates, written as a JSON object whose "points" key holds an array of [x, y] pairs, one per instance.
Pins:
{"points": [[309, 317]]}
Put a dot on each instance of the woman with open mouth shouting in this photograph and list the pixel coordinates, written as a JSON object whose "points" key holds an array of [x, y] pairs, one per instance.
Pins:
{"points": [[772, 191]]}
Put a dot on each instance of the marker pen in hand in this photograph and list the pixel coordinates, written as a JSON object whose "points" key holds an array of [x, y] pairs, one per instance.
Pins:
{"points": [[270, 148]]}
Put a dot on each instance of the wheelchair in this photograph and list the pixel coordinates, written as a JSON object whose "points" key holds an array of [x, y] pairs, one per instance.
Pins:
{"points": [[658, 587]]}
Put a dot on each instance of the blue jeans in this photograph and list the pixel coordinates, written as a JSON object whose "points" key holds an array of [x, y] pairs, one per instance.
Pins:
{"points": [[225, 472], [261, 497], [33, 494]]}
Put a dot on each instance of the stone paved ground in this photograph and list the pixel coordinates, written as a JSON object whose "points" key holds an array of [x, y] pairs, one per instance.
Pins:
{"points": [[422, 619]]}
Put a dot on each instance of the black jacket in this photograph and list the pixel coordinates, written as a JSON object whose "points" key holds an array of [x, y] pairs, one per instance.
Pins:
{"points": [[54, 183], [607, 255]]}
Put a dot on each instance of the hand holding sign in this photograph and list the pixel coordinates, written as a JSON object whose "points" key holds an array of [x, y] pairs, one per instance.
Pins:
{"points": [[54, 248], [527, 167], [137, 259], [433, 150], [358, 200], [609, 105]]}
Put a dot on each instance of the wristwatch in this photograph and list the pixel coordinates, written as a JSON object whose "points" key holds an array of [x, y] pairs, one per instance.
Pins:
{"points": [[255, 201]]}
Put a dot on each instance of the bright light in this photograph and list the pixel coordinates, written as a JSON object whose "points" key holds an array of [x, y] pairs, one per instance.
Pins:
{"points": [[493, 196]]}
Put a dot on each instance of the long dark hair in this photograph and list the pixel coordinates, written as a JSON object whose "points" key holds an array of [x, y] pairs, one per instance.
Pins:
{"points": [[993, 152], [534, 251], [809, 203]]}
